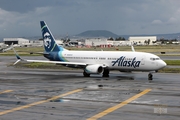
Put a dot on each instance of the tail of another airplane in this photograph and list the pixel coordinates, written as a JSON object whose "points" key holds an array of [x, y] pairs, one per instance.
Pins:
{"points": [[50, 44]]}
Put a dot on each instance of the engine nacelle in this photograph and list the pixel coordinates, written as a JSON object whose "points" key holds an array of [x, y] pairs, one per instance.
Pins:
{"points": [[94, 69]]}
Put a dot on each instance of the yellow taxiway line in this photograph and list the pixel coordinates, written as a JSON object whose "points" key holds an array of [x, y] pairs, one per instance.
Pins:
{"points": [[111, 109], [39, 102], [6, 91]]}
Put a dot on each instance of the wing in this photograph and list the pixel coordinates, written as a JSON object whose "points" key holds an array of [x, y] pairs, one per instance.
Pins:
{"points": [[56, 62], [46, 61]]}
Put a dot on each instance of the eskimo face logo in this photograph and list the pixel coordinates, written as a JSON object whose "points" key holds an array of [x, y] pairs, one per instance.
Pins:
{"points": [[47, 40]]}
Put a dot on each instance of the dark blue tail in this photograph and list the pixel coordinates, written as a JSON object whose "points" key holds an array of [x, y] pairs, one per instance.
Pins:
{"points": [[48, 39]]}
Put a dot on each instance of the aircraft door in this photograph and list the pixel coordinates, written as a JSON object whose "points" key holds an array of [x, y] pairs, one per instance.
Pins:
{"points": [[143, 60], [97, 60]]}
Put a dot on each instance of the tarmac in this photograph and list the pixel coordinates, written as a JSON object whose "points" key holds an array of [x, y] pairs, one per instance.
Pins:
{"points": [[38, 94]]}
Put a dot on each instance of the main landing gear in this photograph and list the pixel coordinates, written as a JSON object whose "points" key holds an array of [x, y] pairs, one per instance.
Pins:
{"points": [[86, 74], [105, 73], [150, 77]]}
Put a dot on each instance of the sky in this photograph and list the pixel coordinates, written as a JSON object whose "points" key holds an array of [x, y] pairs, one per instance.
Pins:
{"points": [[20, 18]]}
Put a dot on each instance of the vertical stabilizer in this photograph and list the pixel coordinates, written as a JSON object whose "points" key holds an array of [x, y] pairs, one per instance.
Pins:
{"points": [[48, 39]]}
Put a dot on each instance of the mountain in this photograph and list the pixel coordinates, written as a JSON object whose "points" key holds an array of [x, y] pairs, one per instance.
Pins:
{"points": [[107, 34], [97, 33]]}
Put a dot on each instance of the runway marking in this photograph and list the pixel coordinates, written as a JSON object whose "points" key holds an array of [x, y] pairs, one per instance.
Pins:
{"points": [[6, 91], [39, 102], [111, 109]]}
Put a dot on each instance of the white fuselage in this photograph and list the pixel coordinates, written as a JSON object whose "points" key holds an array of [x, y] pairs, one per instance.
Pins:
{"points": [[118, 60]]}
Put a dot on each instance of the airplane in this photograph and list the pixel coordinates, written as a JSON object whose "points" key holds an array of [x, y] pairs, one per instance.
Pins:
{"points": [[4, 49], [96, 62]]}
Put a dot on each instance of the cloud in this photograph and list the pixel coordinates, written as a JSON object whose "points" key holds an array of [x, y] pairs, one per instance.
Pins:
{"points": [[21, 17], [157, 22], [24, 6], [171, 21]]}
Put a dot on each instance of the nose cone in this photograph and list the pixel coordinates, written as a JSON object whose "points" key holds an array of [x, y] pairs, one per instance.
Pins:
{"points": [[162, 64]]}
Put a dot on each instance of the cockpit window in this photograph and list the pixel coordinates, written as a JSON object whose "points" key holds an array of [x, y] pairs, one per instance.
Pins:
{"points": [[154, 59]]}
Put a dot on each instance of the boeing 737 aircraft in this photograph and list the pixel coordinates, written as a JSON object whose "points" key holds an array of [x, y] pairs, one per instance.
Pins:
{"points": [[97, 62]]}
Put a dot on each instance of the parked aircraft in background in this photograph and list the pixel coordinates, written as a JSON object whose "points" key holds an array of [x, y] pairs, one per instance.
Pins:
{"points": [[97, 62], [4, 47]]}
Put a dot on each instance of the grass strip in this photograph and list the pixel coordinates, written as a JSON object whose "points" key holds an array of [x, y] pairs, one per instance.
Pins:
{"points": [[172, 62], [169, 70]]}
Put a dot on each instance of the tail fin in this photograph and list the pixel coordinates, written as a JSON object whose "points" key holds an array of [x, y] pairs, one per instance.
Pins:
{"points": [[50, 44]]}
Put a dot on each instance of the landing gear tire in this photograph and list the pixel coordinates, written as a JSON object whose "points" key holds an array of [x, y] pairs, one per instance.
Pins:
{"points": [[150, 77], [86, 74], [106, 73]]}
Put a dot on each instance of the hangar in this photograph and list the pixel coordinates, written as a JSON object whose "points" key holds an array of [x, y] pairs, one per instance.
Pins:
{"points": [[143, 40], [18, 41]]}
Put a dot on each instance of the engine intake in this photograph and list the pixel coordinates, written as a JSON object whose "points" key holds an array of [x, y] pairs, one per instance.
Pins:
{"points": [[94, 69]]}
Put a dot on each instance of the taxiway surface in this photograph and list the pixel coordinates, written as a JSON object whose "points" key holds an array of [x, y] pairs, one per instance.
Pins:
{"points": [[36, 94]]}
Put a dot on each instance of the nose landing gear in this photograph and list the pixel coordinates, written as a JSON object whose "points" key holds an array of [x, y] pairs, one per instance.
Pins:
{"points": [[150, 77]]}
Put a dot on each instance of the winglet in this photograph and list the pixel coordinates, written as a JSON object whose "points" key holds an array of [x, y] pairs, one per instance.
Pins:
{"points": [[17, 56], [132, 47]]}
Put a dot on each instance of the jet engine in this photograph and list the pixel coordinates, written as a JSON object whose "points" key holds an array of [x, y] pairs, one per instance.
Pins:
{"points": [[94, 69]]}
